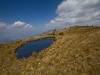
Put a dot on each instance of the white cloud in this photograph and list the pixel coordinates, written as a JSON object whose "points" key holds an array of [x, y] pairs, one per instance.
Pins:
{"points": [[2, 25], [28, 26], [17, 30], [76, 12], [18, 24]]}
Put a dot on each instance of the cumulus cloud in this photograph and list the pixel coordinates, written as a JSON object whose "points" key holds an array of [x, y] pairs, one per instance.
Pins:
{"points": [[16, 25], [14, 31], [19, 24], [76, 12], [28, 26], [2, 25]]}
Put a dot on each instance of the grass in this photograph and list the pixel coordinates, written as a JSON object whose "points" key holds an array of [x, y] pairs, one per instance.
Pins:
{"points": [[76, 52]]}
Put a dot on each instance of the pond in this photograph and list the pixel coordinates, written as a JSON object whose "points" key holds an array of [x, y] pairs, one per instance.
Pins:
{"points": [[35, 46]]}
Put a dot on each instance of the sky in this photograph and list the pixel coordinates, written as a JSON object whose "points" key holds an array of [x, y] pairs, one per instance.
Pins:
{"points": [[25, 18]]}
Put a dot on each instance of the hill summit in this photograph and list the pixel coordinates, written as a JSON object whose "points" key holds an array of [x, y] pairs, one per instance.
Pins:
{"points": [[76, 51]]}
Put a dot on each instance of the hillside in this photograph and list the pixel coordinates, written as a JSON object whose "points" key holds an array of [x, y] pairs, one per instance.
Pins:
{"points": [[76, 51]]}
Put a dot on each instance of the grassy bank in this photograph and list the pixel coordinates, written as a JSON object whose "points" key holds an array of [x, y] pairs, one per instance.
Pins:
{"points": [[76, 51]]}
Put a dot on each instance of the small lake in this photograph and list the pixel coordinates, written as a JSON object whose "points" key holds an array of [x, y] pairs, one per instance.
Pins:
{"points": [[35, 46]]}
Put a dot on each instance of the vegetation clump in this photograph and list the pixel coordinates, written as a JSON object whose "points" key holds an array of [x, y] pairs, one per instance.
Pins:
{"points": [[76, 51]]}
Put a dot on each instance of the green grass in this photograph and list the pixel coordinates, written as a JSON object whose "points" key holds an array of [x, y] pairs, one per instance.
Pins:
{"points": [[76, 52]]}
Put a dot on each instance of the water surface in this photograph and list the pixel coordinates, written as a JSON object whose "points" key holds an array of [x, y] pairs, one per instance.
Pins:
{"points": [[35, 46]]}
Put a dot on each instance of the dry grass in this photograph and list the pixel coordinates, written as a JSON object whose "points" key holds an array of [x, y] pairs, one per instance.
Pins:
{"points": [[76, 52]]}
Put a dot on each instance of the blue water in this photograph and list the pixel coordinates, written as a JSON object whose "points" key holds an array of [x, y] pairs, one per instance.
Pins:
{"points": [[30, 47]]}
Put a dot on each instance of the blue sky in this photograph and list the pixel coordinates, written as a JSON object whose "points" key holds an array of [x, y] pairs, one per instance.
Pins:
{"points": [[34, 12], [24, 18]]}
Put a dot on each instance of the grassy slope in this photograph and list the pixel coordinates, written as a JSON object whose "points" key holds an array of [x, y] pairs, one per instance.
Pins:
{"points": [[77, 52]]}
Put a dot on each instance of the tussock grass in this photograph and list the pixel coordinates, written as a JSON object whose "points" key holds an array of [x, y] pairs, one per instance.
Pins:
{"points": [[76, 52]]}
